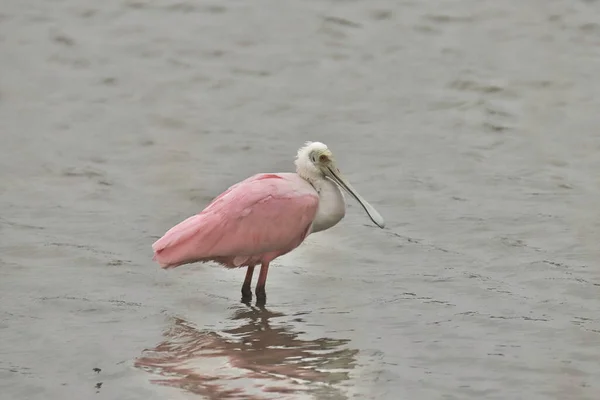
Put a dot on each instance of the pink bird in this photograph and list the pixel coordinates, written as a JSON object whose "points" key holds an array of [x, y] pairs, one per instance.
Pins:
{"points": [[263, 217]]}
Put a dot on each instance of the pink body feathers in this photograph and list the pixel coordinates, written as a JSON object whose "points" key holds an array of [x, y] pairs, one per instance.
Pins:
{"points": [[263, 217], [252, 222]]}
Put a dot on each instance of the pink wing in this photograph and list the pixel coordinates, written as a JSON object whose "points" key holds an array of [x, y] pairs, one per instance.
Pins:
{"points": [[266, 213]]}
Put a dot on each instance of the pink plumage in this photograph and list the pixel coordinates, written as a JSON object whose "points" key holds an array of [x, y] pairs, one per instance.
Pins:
{"points": [[252, 222], [263, 217]]}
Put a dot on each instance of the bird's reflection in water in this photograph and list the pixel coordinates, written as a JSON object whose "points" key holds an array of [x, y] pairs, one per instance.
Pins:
{"points": [[261, 358]]}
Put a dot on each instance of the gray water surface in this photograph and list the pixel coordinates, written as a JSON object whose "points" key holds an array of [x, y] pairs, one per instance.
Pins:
{"points": [[472, 126]]}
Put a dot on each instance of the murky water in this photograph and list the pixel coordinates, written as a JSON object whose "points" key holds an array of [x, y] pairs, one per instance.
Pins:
{"points": [[471, 125]]}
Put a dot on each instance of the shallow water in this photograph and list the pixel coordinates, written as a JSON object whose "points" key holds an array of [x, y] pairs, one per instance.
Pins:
{"points": [[471, 126]]}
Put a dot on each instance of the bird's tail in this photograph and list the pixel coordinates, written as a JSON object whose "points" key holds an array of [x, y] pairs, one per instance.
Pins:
{"points": [[183, 243]]}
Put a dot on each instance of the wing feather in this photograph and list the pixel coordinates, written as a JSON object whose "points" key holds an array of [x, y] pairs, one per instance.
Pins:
{"points": [[264, 213]]}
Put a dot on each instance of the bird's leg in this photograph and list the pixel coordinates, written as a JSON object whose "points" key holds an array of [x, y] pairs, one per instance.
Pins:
{"points": [[262, 280], [246, 289]]}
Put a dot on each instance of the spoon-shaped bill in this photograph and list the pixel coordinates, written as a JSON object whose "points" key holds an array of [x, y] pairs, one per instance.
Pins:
{"points": [[338, 178]]}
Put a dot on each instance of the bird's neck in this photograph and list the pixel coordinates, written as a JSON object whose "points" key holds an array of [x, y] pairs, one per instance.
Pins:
{"points": [[310, 174], [332, 206]]}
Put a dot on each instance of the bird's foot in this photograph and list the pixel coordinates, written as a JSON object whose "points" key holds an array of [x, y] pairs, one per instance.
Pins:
{"points": [[246, 301], [246, 293], [261, 296]]}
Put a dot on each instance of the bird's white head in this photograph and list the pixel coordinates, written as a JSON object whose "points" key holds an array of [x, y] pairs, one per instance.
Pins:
{"points": [[310, 159], [315, 162]]}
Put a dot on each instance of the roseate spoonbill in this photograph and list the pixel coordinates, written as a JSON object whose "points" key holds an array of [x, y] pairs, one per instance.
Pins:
{"points": [[263, 217]]}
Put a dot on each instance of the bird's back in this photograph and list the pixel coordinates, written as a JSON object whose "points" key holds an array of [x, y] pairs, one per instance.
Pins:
{"points": [[254, 221]]}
